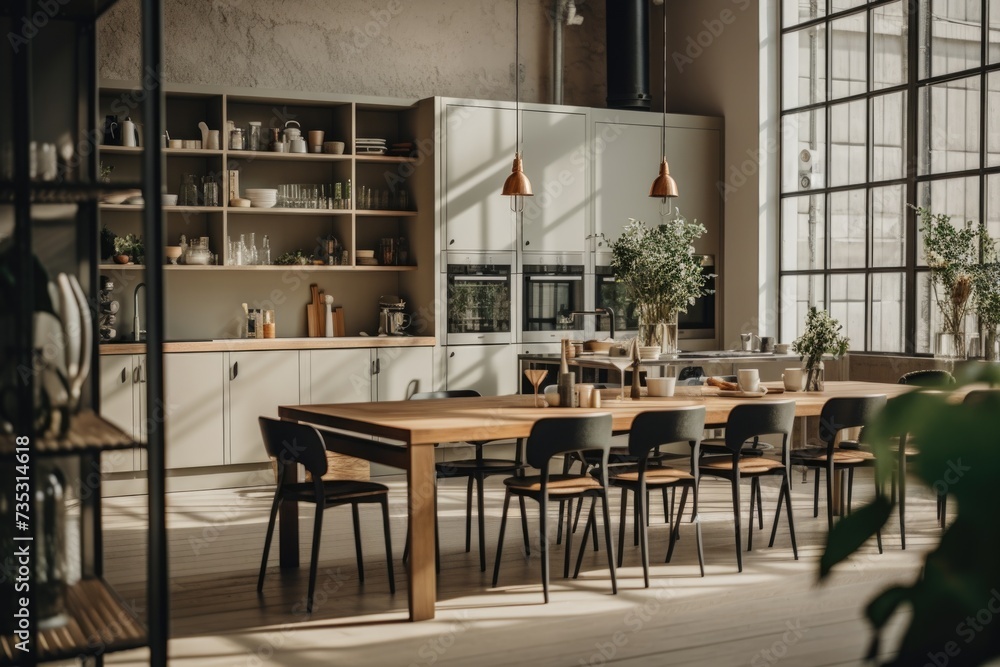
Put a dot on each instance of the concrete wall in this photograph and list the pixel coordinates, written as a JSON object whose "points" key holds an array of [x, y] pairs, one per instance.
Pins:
{"points": [[393, 48], [713, 68]]}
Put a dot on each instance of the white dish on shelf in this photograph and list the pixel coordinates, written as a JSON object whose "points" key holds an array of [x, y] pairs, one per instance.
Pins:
{"points": [[366, 254], [257, 203]]}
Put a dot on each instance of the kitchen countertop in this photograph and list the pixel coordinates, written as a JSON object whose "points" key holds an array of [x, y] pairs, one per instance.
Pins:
{"points": [[257, 344], [686, 358]]}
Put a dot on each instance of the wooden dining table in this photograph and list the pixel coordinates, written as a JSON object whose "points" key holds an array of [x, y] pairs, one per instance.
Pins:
{"points": [[407, 432]]}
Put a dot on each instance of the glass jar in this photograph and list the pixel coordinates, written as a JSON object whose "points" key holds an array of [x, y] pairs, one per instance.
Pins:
{"points": [[253, 136], [188, 195], [237, 140]]}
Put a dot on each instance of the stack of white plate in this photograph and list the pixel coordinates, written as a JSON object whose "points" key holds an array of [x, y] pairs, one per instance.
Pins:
{"points": [[649, 352], [367, 258], [370, 146], [262, 197]]}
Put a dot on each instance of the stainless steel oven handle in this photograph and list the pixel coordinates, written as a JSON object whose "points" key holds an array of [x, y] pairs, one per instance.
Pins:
{"points": [[554, 279], [480, 279]]}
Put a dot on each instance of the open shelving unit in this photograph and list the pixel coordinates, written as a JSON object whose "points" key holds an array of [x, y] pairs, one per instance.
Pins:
{"points": [[52, 88]]}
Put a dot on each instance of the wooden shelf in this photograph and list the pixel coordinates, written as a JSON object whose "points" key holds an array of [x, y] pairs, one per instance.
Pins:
{"points": [[270, 267], [249, 210], [65, 193], [293, 157], [385, 159], [168, 209], [137, 150], [384, 213], [99, 622], [88, 431]]}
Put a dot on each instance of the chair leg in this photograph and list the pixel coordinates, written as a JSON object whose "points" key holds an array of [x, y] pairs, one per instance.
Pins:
{"points": [[388, 543], [543, 547], [753, 501], [642, 504], [675, 529], [830, 472], [503, 527], [481, 515], [878, 533], [524, 527], [760, 507], [468, 515], [697, 524], [902, 506], [591, 526], [635, 519], [944, 511], [777, 515], [357, 541], [791, 518], [607, 540], [816, 495], [850, 489], [267, 541], [736, 519], [668, 516], [621, 525], [569, 544], [567, 464], [314, 560]]}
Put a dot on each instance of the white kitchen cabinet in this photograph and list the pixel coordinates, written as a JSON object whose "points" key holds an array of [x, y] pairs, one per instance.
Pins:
{"points": [[195, 386], [119, 405], [554, 145], [489, 369], [479, 152], [340, 376], [402, 371], [624, 170], [258, 383]]}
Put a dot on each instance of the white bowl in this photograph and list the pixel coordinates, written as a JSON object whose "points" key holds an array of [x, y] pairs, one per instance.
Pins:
{"points": [[262, 204], [170, 200], [365, 253], [661, 386]]}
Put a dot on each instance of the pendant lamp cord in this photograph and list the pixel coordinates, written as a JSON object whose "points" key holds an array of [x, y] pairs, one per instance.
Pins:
{"points": [[517, 77], [663, 128]]}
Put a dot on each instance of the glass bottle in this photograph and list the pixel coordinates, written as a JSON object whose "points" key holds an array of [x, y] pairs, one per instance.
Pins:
{"points": [[241, 251], [252, 250], [189, 191], [265, 253]]}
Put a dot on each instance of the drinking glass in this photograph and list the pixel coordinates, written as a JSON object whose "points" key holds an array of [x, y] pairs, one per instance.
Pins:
{"points": [[535, 377], [622, 364]]}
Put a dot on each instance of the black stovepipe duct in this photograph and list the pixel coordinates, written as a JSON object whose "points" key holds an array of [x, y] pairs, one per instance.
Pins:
{"points": [[628, 54]]}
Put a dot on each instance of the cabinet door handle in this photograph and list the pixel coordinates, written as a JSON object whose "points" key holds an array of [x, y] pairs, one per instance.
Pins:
{"points": [[452, 355], [124, 375], [451, 242], [527, 243], [236, 369], [142, 373], [135, 375]]}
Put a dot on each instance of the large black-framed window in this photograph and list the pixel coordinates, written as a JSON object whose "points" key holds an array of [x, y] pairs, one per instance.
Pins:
{"points": [[883, 104]]}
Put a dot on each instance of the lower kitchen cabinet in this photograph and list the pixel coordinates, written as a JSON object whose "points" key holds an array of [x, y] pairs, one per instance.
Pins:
{"points": [[122, 404], [194, 390], [402, 371], [339, 376], [258, 383], [489, 369]]}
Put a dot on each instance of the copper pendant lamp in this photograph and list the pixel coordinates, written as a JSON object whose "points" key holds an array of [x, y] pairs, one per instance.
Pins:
{"points": [[517, 184], [664, 185]]}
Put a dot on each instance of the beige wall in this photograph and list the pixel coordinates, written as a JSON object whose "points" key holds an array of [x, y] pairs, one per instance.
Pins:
{"points": [[393, 48], [713, 69]]}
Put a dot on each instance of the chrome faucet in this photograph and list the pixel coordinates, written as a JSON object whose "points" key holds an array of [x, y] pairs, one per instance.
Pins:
{"points": [[597, 311], [137, 332]]}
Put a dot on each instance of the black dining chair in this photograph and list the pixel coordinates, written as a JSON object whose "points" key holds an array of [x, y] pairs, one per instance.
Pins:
{"points": [[651, 430], [290, 444], [551, 437], [838, 414], [746, 422], [476, 469]]}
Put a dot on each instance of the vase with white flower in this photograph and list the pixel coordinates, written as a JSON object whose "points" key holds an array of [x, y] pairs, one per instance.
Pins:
{"points": [[661, 275], [821, 337]]}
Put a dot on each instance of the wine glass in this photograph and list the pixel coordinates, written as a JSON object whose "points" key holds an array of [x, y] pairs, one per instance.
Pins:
{"points": [[535, 377], [621, 363]]}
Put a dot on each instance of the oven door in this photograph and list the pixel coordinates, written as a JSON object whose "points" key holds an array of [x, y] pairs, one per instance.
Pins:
{"points": [[549, 294], [479, 304]]}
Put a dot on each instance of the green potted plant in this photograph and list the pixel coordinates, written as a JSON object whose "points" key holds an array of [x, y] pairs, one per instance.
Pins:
{"points": [[986, 298], [129, 249], [954, 599], [661, 274], [822, 336], [952, 254]]}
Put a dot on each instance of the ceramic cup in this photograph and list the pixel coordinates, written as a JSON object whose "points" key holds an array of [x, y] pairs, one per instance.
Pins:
{"points": [[749, 380], [794, 379], [278, 147], [584, 394], [766, 344], [297, 146], [782, 348], [213, 140], [315, 141], [333, 147], [176, 143], [661, 386]]}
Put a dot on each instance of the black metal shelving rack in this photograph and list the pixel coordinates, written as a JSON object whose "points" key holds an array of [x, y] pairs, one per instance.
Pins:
{"points": [[42, 86]]}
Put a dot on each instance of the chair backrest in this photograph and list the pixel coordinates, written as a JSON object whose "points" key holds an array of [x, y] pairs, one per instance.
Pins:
{"points": [[290, 443], [552, 436], [450, 393], [750, 420], [663, 427], [983, 398], [929, 377], [847, 412], [690, 372]]}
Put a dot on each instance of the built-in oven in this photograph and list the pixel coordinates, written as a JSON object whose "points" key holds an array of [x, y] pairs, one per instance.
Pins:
{"points": [[550, 295], [479, 299], [697, 323]]}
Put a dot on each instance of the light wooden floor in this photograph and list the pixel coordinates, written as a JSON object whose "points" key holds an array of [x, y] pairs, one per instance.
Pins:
{"points": [[772, 613]]}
